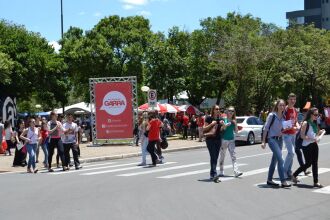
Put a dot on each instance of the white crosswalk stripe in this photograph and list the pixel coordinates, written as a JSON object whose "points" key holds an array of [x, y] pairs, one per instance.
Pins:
{"points": [[324, 190], [246, 174], [95, 168], [162, 170], [320, 171], [122, 169], [194, 172]]}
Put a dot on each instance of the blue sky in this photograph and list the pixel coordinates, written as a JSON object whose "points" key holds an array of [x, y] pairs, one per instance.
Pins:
{"points": [[43, 16]]}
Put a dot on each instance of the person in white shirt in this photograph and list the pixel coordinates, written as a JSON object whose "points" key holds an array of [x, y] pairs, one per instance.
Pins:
{"points": [[71, 141], [32, 136], [1, 131]]}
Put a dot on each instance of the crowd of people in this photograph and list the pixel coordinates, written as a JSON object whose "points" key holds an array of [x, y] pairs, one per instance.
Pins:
{"points": [[218, 129], [35, 133]]}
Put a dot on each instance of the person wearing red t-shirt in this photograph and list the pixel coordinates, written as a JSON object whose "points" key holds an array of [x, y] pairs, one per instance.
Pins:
{"points": [[153, 129], [185, 124], [289, 134]]}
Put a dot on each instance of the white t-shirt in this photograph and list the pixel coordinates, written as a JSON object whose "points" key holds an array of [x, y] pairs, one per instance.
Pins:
{"points": [[8, 133], [71, 136], [310, 134], [33, 135]]}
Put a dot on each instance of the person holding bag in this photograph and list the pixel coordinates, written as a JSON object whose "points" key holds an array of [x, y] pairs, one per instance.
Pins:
{"points": [[20, 153], [273, 132], [212, 136], [32, 136], [228, 142], [310, 134]]}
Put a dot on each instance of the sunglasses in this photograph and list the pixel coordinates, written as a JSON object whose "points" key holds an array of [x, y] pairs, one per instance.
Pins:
{"points": [[217, 109], [230, 111], [316, 114]]}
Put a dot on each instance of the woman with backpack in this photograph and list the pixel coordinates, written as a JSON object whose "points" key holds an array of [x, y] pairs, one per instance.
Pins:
{"points": [[273, 132], [309, 133]]}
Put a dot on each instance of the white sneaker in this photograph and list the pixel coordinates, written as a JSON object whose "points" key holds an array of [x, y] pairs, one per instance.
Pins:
{"points": [[221, 174], [238, 173]]}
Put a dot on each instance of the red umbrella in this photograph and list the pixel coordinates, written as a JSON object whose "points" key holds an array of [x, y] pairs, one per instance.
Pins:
{"points": [[171, 108], [159, 107], [189, 109]]}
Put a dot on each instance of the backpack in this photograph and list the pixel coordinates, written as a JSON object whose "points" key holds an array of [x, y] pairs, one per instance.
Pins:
{"points": [[263, 127], [299, 140]]}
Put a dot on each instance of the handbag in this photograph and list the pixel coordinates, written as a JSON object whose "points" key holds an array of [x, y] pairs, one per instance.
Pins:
{"points": [[24, 150], [212, 132]]}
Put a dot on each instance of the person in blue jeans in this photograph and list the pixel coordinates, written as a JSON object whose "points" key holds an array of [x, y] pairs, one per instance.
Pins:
{"points": [[273, 132], [32, 136], [211, 130]]}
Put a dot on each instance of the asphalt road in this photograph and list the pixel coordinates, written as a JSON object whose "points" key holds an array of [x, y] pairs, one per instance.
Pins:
{"points": [[178, 189]]}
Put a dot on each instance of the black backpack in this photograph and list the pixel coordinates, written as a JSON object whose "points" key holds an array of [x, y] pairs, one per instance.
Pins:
{"points": [[299, 140], [263, 127]]}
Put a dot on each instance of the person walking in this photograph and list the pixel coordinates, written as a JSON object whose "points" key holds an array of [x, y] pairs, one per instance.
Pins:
{"points": [[55, 131], [153, 129], [310, 135], [185, 124], [44, 142], [70, 141], [32, 136], [144, 138], [20, 152], [211, 130], [10, 137], [228, 141], [290, 115], [2, 128], [200, 124], [193, 127], [273, 132]]}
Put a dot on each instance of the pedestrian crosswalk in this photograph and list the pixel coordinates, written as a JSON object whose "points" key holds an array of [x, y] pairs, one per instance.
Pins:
{"points": [[173, 170]]}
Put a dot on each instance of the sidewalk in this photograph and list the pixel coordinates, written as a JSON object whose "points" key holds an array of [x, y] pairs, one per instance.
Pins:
{"points": [[95, 154]]}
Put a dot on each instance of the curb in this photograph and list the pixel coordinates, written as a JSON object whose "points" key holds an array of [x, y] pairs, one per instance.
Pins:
{"points": [[122, 156]]}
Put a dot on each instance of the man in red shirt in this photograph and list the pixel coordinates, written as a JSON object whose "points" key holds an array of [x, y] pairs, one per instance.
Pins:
{"points": [[185, 123], [289, 133], [153, 129]]}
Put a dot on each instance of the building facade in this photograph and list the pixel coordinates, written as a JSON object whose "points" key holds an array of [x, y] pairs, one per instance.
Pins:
{"points": [[315, 12]]}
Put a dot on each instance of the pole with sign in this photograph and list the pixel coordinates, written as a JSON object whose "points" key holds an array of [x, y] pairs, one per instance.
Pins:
{"points": [[152, 99]]}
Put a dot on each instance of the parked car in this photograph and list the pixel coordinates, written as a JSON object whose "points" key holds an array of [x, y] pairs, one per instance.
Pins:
{"points": [[249, 129]]}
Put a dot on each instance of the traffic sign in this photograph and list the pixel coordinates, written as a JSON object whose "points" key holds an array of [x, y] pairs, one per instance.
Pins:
{"points": [[152, 98]]}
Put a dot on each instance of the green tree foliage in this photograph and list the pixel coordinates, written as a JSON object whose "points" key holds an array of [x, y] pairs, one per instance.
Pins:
{"points": [[115, 47], [29, 65]]}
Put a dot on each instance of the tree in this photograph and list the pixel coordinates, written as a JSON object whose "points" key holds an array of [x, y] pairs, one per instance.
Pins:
{"points": [[32, 64], [115, 47]]}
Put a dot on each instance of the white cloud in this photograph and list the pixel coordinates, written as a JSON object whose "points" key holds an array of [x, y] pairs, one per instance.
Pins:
{"points": [[144, 13], [128, 7], [81, 13], [97, 14], [135, 2], [55, 45]]}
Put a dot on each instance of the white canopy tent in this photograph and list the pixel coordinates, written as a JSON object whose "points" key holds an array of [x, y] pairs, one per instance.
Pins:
{"points": [[81, 107]]}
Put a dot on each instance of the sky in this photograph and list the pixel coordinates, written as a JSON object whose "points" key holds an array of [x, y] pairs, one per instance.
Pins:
{"points": [[43, 16]]}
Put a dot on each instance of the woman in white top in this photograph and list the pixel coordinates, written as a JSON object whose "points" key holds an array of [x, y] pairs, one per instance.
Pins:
{"points": [[10, 137], [144, 139], [32, 136], [309, 146]]}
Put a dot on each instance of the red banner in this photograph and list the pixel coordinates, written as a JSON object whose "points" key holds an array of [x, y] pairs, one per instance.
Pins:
{"points": [[113, 109]]}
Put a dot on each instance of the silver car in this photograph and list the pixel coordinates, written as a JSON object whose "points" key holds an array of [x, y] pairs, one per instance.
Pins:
{"points": [[249, 129]]}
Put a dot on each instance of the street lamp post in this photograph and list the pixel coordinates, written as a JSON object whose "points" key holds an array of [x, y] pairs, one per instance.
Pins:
{"points": [[62, 41]]}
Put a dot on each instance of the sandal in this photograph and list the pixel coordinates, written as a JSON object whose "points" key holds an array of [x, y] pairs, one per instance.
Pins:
{"points": [[318, 185]]}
